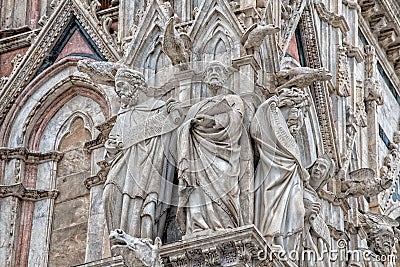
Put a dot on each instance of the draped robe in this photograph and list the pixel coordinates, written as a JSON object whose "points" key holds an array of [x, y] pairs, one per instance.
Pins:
{"points": [[209, 167], [279, 208], [139, 182]]}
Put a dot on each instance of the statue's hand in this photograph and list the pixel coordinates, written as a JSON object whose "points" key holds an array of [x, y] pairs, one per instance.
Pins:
{"points": [[113, 144], [204, 120], [173, 104]]}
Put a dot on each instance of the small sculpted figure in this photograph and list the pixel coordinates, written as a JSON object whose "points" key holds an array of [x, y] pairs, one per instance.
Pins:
{"points": [[316, 235], [279, 206]]}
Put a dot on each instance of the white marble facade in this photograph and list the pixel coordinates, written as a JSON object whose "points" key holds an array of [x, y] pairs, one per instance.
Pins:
{"points": [[199, 133]]}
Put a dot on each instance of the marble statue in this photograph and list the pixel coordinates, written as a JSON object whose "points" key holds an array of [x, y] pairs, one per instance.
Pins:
{"points": [[209, 159], [138, 184], [316, 235], [279, 178]]}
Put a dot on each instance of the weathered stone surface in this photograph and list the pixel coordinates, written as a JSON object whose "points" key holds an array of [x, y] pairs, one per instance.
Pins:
{"points": [[69, 246], [70, 186], [74, 161], [70, 213]]}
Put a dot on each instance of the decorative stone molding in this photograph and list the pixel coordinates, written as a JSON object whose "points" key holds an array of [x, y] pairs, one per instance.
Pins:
{"points": [[19, 191], [291, 14], [321, 98], [28, 156], [100, 177], [17, 41], [44, 43], [117, 261], [237, 247], [337, 21], [342, 76]]}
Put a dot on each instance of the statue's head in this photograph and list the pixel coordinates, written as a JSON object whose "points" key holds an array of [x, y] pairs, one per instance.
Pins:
{"points": [[381, 239], [293, 103], [215, 75], [320, 172], [128, 85]]}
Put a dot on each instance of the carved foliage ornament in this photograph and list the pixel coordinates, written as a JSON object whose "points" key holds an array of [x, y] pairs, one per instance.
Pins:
{"points": [[19, 191], [24, 154]]}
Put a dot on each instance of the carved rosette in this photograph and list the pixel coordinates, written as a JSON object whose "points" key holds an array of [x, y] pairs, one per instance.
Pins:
{"points": [[243, 246]]}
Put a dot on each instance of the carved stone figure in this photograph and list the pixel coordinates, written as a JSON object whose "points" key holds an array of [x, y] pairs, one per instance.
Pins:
{"points": [[209, 160], [255, 35], [381, 232], [176, 46], [301, 77], [215, 76], [137, 252], [138, 184], [316, 235], [279, 208], [362, 182]]}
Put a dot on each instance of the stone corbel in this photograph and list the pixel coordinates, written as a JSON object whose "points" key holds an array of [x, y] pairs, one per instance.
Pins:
{"points": [[354, 52], [386, 37], [28, 156], [105, 129], [337, 21], [100, 177], [352, 4], [19, 191]]}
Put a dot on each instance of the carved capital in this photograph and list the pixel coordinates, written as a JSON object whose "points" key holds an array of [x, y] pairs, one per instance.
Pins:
{"points": [[19, 191], [28, 156]]}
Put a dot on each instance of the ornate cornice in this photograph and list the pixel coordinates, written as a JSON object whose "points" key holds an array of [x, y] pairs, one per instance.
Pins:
{"points": [[17, 41], [28, 156], [380, 18], [19, 191], [337, 21]]}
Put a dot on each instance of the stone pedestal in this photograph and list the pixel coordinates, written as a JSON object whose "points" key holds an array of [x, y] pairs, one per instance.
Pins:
{"points": [[243, 246], [109, 262]]}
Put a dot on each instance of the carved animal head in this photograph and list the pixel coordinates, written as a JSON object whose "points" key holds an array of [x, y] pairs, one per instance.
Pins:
{"points": [[135, 251]]}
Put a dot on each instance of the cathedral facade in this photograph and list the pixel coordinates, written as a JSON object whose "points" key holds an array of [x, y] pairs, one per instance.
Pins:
{"points": [[199, 133]]}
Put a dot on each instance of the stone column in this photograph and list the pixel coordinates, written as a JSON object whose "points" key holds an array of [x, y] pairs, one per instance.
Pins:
{"points": [[96, 220], [42, 217], [185, 79], [373, 98]]}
